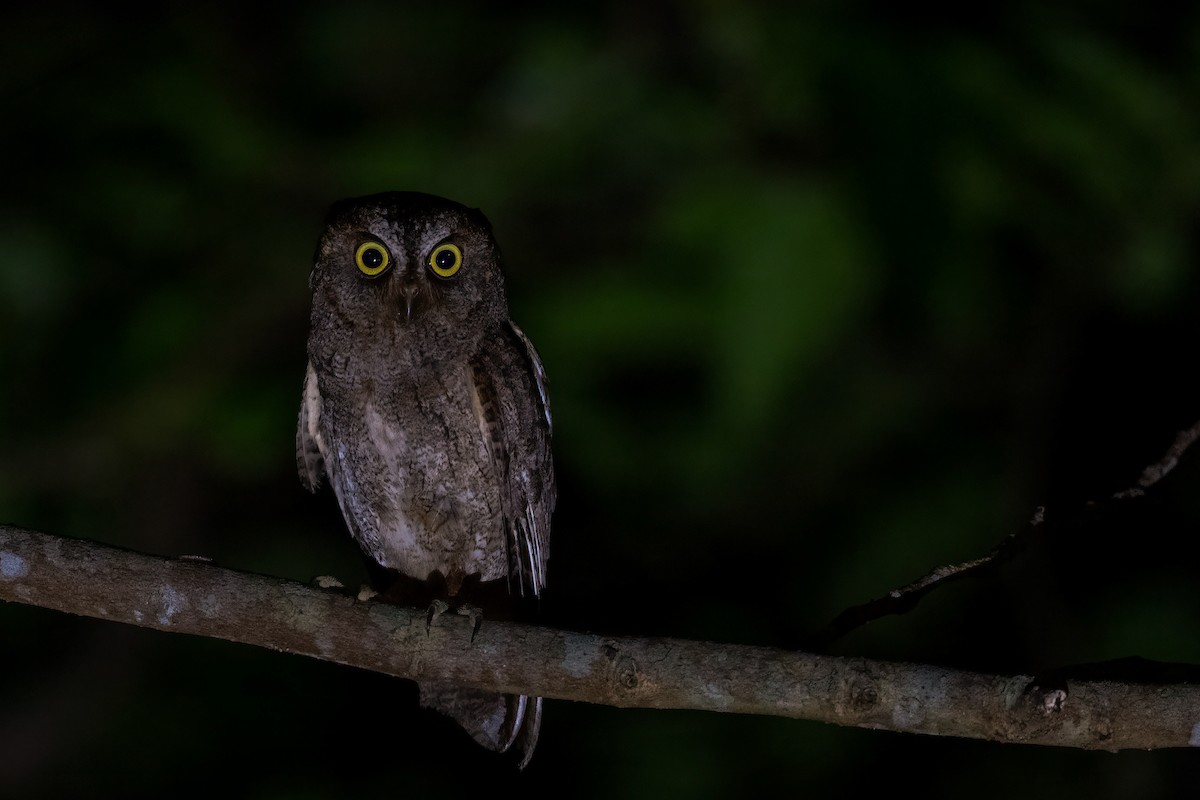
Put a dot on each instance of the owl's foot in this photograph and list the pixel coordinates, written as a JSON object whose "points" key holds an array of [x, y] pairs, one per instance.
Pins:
{"points": [[327, 582], [439, 607]]}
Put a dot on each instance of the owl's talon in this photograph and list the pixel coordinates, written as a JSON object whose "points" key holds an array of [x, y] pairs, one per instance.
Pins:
{"points": [[473, 613], [436, 609]]}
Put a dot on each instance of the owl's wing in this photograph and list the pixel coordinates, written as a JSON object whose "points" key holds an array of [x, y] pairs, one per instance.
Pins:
{"points": [[539, 375], [514, 410], [310, 445]]}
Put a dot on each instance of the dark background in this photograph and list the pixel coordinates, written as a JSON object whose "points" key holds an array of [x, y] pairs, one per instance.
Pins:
{"points": [[828, 294]]}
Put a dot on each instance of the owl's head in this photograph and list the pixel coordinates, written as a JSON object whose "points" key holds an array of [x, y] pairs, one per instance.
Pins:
{"points": [[409, 266]]}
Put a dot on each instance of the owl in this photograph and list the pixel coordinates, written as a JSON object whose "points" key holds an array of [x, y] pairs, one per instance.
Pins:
{"points": [[425, 407]]}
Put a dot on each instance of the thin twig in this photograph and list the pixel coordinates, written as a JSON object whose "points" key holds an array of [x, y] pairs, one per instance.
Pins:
{"points": [[190, 596], [1158, 470], [904, 598]]}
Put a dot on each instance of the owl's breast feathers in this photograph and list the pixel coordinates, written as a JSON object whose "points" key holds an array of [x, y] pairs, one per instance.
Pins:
{"points": [[439, 467]]}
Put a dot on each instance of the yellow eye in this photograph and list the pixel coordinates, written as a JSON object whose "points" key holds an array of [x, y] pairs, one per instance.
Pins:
{"points": [[372, 258], [445, 260]]}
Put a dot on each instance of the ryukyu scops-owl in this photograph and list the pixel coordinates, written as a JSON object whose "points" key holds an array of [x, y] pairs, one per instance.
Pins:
{"points": [[425, 408]]}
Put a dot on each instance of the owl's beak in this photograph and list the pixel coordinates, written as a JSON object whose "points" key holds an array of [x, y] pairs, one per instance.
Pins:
{"points": [[409, 292]]}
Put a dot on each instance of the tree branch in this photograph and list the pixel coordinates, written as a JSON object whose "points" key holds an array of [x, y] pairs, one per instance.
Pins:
{"points": [[186, 596]]}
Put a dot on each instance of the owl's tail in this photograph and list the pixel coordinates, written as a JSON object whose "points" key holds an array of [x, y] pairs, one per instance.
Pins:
{"points": [[499, 722]]}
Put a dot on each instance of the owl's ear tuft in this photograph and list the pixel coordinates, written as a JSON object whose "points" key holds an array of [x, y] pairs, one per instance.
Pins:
{"points": [[340, 210], [477, 217]]}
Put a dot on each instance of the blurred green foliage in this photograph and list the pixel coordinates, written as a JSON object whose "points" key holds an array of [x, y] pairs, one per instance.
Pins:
{"points": [[829, 294]]}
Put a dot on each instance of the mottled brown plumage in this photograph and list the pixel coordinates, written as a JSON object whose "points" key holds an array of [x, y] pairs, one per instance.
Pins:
{"points": [[425, 407]]}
